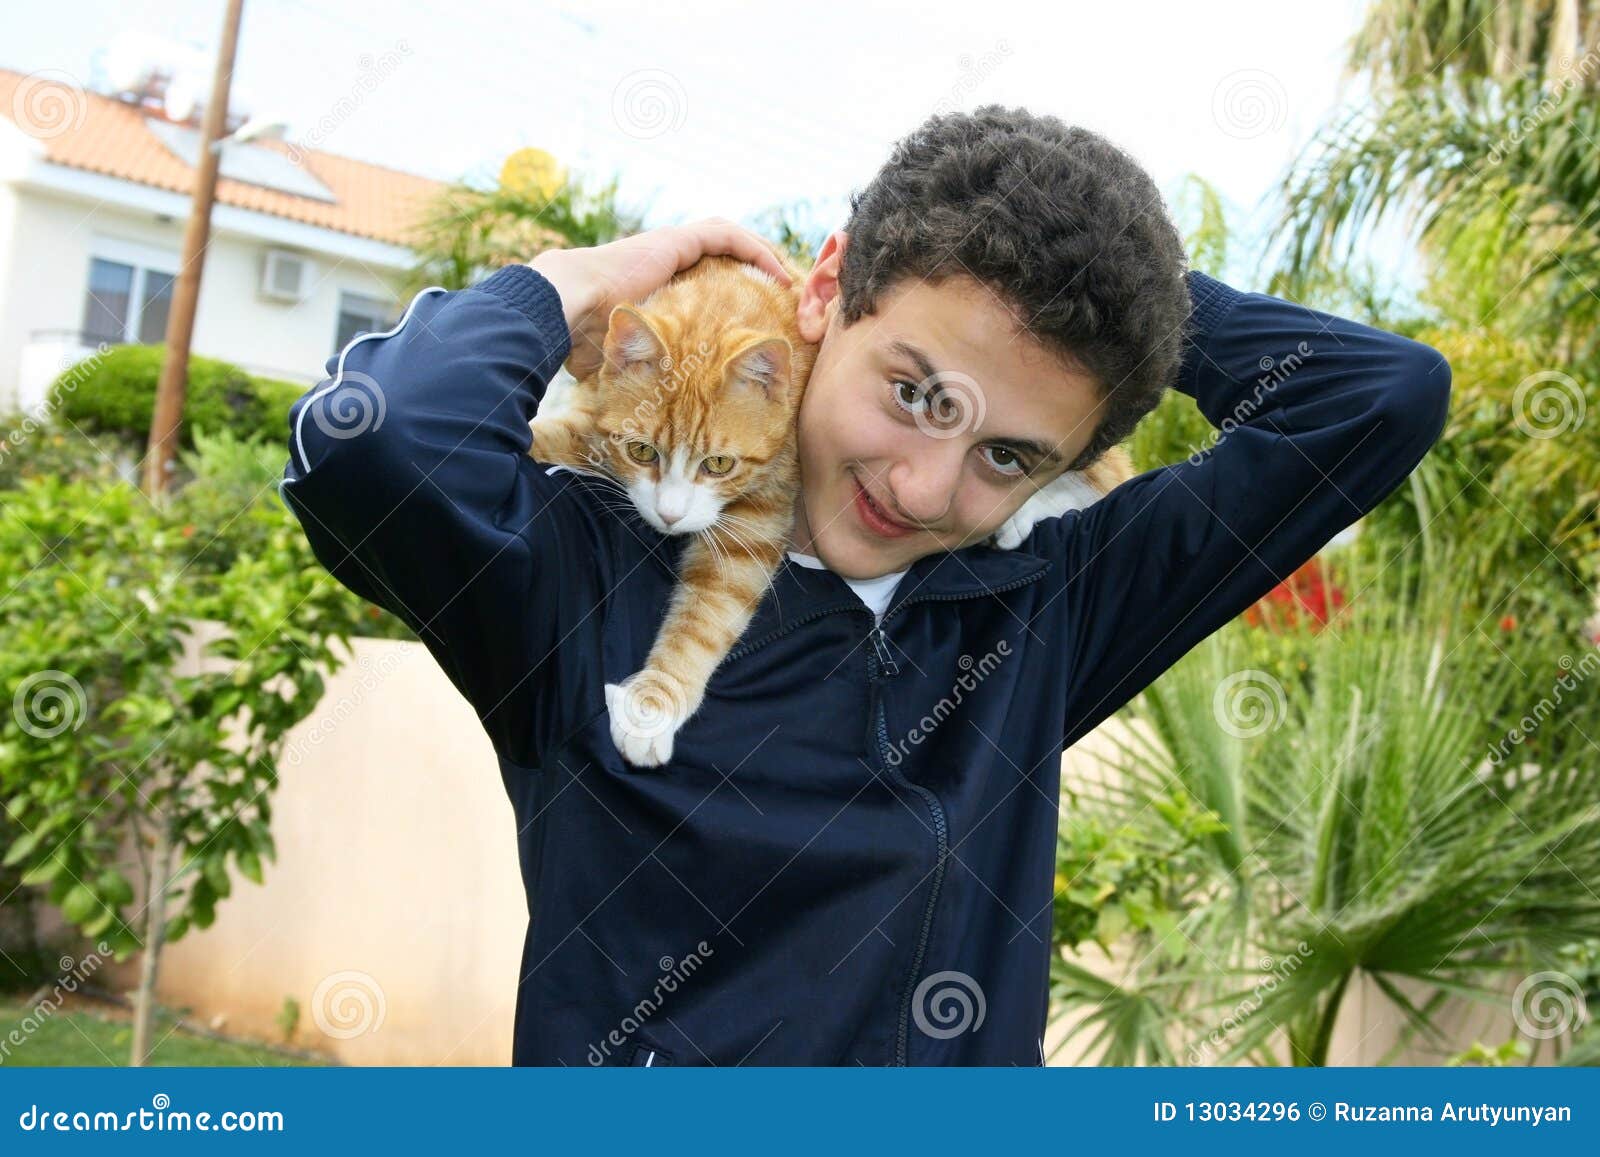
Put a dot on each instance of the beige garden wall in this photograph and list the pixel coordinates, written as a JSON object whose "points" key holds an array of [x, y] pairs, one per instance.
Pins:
{"points": [[394, 913]]}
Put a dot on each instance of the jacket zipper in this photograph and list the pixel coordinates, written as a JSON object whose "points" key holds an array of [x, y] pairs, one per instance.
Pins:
{"points": [[941, 829], [880, 660]]}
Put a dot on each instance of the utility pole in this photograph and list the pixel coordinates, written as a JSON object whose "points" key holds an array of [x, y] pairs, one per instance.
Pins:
{"points": [[167, 421]]}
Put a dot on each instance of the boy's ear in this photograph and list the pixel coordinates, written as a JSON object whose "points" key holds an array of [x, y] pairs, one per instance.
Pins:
{"points": [[631, 341], [819, 296]]}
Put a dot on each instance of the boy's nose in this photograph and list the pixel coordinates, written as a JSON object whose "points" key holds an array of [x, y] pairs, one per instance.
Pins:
{"points": [[925, 486]]}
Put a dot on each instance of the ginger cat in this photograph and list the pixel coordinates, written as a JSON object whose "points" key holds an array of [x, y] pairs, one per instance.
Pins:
{"points": [[692, 417]]}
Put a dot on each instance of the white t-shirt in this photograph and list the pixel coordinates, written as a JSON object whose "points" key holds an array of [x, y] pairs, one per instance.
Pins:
{"points": [[875, 592]]}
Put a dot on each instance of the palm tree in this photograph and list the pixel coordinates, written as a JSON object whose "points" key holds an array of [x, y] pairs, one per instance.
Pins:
{"points": [[471, 230], [1376, 822], [1481, 128]]}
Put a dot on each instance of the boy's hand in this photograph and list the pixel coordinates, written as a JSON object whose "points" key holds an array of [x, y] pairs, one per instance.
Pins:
{"points": [[592, 281]]}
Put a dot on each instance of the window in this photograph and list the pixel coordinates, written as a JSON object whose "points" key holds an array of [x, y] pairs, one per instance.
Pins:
{"points": [[359, 315], [157, 304], [105, 308], [110, 314]]}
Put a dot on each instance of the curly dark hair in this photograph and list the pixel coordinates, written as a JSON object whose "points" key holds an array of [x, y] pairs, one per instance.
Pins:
{"points": [[1061, 224]]}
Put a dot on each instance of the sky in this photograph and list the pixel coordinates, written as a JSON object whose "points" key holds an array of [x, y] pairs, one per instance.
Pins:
{"points": [[719, 108]]}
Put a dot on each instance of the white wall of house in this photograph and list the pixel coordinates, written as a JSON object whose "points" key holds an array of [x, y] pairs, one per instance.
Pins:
{"points": [[51, 229]]}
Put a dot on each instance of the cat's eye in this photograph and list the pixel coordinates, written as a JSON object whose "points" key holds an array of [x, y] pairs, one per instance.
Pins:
{"points": [[717, 464], [642, 452]]}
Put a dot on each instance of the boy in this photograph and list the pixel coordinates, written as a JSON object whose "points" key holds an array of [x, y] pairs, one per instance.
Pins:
{"points": [[849, 857]]}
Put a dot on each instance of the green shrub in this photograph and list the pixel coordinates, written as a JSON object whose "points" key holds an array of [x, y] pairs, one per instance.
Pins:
{"points": [[115, 393]]}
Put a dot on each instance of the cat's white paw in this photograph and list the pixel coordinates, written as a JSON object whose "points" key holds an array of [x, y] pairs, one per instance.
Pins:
{"points": [[1014, 530], [646, 712]]}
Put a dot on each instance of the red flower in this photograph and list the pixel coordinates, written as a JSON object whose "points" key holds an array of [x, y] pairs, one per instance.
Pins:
{"points": [[1307, 593], [1509, 623]]}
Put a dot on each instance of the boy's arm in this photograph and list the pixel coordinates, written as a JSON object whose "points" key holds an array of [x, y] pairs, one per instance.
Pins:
{"points": [[409, 473], [1319, 417]]}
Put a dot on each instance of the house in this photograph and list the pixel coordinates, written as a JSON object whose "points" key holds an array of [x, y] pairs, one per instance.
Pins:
{"points": [[307, 247]]}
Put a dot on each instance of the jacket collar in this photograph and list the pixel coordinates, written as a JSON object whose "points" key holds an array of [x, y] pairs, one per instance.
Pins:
{"points": [[972, 572]]}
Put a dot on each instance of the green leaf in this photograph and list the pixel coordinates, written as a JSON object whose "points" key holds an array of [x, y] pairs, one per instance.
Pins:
{"points": [[249, 865], [20, 850], [216, 874], [80, 904], [44, 872], [114, 887]]}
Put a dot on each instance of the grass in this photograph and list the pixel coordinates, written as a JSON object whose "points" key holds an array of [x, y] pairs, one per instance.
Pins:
{"points": [[87, 1035]]}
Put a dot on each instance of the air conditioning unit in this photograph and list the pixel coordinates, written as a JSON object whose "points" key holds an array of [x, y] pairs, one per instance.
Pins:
{"points": [[285, 276]]}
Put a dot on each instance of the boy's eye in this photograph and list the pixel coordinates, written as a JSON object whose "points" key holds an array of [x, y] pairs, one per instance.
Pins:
{"points": [[939, 406], [1005, 461], [642, 452], [717, 464], [911, 397]]}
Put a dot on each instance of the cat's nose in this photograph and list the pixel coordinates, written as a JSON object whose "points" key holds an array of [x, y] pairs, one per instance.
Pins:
{"points": [[669, 519]]}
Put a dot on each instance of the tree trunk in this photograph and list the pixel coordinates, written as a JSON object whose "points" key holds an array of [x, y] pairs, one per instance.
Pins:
{"points": [[155, 924]]}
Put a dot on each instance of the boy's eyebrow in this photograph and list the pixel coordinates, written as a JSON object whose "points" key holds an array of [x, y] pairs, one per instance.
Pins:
{"points": [[1047, 454]]}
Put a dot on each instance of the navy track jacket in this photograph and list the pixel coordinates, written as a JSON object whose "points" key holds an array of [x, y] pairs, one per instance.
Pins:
{"points": [[850, 857]]}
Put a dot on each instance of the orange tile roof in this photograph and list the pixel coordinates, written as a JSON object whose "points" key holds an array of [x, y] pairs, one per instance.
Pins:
{"points": [[100, 134]]}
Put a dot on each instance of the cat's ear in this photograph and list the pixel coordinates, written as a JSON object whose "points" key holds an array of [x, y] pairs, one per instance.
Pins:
{"points": [[632, 342], [762, 365]]}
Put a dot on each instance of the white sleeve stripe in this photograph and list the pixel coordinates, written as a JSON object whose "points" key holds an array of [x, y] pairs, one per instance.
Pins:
{"points": [[299, 443]]}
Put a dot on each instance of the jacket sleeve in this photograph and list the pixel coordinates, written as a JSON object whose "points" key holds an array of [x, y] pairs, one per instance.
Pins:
{"points": [[1318, 418], [409, 473]]}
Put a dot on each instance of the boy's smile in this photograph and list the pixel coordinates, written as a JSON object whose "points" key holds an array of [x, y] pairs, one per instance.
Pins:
{"points": [[927, 423]]}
